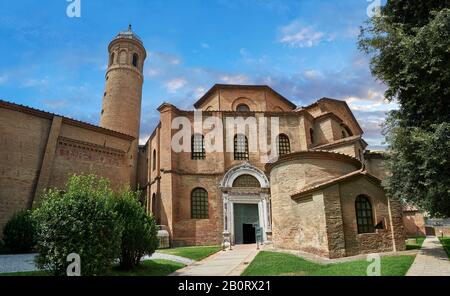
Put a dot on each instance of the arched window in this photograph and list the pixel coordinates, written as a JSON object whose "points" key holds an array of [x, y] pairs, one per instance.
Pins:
{"points": [[240, 147], [246, 181], [348, 131], [344, 135], [364, 215], [111, 59], [154, 159], [123, 57], [199, 204], [198, 147], [284, 145], [311, 134], [243, 108], [135, 60], [154, 204]]}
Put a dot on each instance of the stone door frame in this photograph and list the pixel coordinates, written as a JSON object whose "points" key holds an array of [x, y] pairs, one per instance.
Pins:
{"points": [[258, 196]]}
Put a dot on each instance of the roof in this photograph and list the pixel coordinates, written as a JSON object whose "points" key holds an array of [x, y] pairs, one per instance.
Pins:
{"points": [[234, 86], [314, 154], [129, 34], [309, 190], [340, 142], [66, 120], [340, 102]]}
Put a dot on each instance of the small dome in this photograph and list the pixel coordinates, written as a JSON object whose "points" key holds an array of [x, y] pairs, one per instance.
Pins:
{"points": [[129, 34]]}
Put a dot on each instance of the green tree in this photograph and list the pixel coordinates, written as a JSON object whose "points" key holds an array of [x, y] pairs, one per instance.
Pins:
{"points": [[19, 233], [79, 220], [409, 46], [139, 229]]}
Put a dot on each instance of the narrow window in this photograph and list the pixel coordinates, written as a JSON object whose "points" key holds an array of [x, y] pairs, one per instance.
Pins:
{"points": [[311, 134], [199, 204], [241, 147], [364, 215], [135, 60], [198, 147], [284, 145], [243, 108], [154, 204], [348, 130], [154, 159], [111, 60]]}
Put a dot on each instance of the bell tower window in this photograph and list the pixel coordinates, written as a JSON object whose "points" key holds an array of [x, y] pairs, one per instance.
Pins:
{"points": [[111, 60], [135, 60]]}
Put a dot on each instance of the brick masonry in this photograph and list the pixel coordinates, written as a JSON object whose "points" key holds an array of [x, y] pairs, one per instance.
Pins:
{"points": [[40, 150]]}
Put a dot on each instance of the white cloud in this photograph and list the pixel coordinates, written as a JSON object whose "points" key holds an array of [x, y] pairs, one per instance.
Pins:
{"points": [[372, 101], [143, 139], [3, 78], [164, 58], [174, 85], [36, 82], [312, 74], [296, 35], [153, 72], [234, 79], [205, 45]]}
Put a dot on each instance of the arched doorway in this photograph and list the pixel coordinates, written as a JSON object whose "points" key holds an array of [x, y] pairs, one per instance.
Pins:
{"points": [[246, 202]]}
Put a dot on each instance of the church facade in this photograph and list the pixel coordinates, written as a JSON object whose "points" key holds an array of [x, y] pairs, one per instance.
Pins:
{"points": [[249, 164]]}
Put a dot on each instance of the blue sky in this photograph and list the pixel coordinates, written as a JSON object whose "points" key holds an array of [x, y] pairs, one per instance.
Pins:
{"points": [[304, 49]]}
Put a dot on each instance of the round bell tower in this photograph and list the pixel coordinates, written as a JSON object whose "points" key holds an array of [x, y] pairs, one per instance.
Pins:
{"points": [[121, 110]]}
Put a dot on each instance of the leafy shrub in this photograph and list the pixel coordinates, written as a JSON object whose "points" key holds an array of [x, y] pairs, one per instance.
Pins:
{"points": [[139, 230], [19, 233], [80, 220]]}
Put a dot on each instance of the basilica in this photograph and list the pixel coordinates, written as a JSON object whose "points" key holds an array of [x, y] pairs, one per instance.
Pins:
{"points": [[318, 191]]}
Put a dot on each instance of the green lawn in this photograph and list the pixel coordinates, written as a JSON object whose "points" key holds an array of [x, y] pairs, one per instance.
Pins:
{"points": [[417, 245], [445, 241], [194, 253], [147, 268], [278, 264]]}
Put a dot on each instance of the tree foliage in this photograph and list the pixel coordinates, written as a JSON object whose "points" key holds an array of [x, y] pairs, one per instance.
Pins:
{"points": [[409, 46], [79, 220], [139, 230], [19, 234]]}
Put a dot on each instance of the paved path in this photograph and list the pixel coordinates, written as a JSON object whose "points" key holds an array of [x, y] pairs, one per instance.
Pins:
{"points": [[17, 263], [185, 261], [432, 260], [22, 263], [223, 263]]}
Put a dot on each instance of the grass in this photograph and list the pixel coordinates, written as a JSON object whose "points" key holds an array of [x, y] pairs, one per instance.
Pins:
{"points": [[194, 253], [279, 264], [417, 245], [157, 267], [445, 241]]}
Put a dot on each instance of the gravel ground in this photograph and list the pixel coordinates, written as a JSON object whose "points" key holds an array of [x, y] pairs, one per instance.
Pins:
{"points": [[185, 261], [22, 263], [17, 263]]}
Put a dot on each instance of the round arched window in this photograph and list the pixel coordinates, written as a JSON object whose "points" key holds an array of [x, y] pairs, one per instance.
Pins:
{"points": [[242, 108], [135, 60], [246, 181]]}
